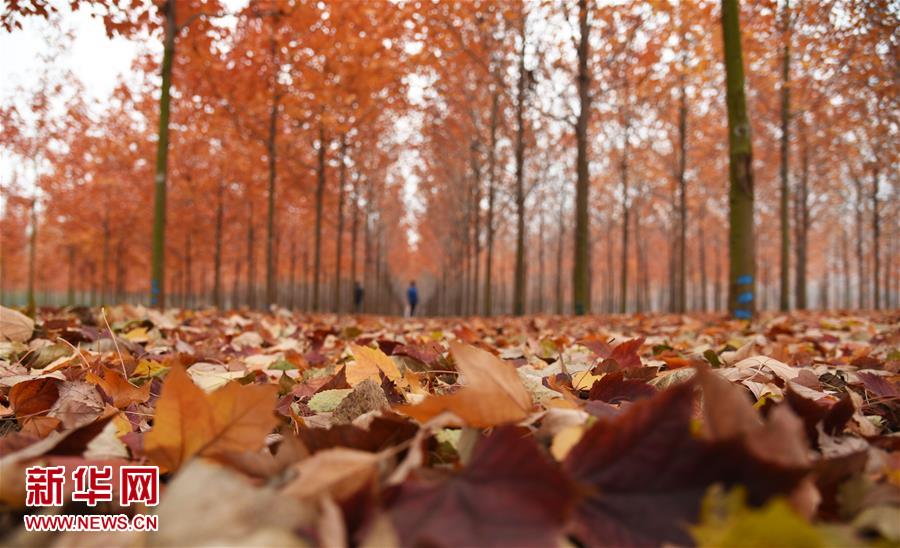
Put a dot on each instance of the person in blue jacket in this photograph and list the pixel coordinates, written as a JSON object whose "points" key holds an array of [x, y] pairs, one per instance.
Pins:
{"points": [[412, 297]]}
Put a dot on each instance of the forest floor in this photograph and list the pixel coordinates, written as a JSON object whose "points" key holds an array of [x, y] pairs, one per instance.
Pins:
{"points": [[287, 429]]}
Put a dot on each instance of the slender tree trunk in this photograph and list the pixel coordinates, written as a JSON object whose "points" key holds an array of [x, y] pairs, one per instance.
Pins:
{"points": [[271, 270], [354, 230], [293, 276], [104, 268], [701, 245], [540, 288], [742, 257], [476, 239], [70, 292], [560, 240], [784, 302], [682, 195], [876, 233], [32, 257], [189, 273], [236, 285], [520, 280], [581, 283], [717, 289], [860, 259], [623, 166], [251, 263], [306, 285], [342, 181], [638, 304], [320, 198], [845, 269], [157, 263], [802, 230], [489, 259], [610, 272], [218, 299]]}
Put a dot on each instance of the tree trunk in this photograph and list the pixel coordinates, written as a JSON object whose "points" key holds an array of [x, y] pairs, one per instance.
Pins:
{"points": [[489, 259], [560, 240], [581, 283], [860, 259], [157, 263], [217, 258], [251, 264], [32, 255], [845, 269], [236, 285], [742, 258], [320, 198], [623, 166], [784, 302], [354, 233], [70, 292], [271, 282], [701, 245], [188, 273], [717, 288], [104, 269], [293, 276], [802, 228], [876, 233], [520, 280], [682, 196], [342, 181], [476, 239]]}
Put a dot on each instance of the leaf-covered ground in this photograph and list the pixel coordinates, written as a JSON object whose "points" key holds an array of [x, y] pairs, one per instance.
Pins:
{"points": [[284, 429]]}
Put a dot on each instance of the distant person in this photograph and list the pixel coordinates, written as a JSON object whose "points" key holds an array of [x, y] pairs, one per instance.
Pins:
{"points": [[412, 297], [358, 294]]}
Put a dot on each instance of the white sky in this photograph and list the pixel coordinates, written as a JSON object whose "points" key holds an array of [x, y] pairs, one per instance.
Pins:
{"points": [[95, 59]]}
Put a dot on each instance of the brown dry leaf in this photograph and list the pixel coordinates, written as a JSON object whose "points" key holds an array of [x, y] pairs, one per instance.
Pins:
{"points": [[78, 404], [188, 422], [493, 393], [337, 472], [15, 326], [209, 505], [33, 397], [120, 391]]}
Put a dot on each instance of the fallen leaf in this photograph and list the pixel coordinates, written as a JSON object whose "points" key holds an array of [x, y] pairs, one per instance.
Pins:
{"points": [[189, 422], [493, 393], [15, 326], [509, 494], [118, 389]]}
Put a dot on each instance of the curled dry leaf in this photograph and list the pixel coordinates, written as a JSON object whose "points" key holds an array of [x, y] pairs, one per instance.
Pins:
{"points": [[15, 326], [493, 393]]}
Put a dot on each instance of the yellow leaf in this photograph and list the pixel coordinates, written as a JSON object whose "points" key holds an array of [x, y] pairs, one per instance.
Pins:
{"points": [[374, 356], [727, 521], [138, 335], [584, 380], [148, 368], [565, 440]]}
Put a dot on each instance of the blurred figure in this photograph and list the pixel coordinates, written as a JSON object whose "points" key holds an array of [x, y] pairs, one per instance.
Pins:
{"points": [[358, 294], [412, 297]]}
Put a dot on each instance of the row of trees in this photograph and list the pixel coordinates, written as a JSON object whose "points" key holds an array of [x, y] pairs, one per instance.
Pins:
{"points": [[615, 116], [513, 156], [274, 151]]}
